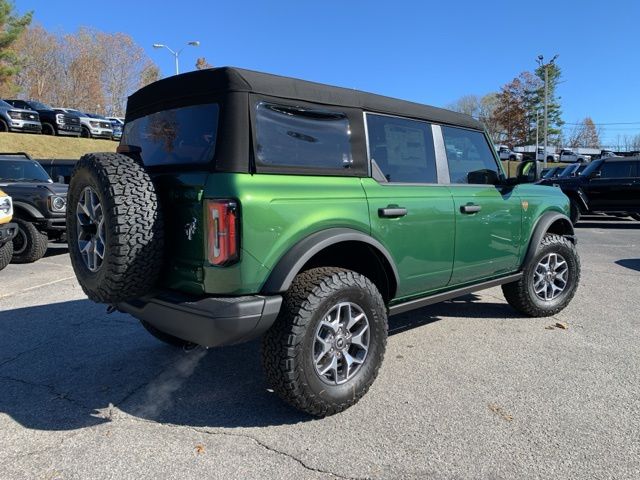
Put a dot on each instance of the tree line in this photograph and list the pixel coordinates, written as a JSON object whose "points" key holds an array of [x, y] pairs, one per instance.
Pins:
{"points": [[89, 70], [514, 115]]}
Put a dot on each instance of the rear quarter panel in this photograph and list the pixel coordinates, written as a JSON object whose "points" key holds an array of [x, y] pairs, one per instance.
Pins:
{"points": [[276, 212]]}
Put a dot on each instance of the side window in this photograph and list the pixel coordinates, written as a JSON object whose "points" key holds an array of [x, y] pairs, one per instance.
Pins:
{"points": [[402, 149], [467, 152], [300, 137], [616, 170]]}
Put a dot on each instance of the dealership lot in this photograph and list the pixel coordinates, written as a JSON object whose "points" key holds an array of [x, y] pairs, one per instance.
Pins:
{"points": [[468, 389]]}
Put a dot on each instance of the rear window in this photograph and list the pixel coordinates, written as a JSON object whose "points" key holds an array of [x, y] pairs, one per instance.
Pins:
{"points": [[306, 138], [184, 135]]}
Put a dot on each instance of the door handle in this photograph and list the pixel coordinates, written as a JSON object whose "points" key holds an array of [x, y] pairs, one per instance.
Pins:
{"points": [[392, 211], [470, 208]]}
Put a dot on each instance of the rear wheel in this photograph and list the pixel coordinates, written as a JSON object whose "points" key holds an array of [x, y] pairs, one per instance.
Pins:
{"points": [[324, 350], [29, 244], [6, 252], [549, 281]]}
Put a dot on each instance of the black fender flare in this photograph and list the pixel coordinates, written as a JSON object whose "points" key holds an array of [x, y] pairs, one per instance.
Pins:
{"points": [[29, 209], [542, 227], [292, 262]]}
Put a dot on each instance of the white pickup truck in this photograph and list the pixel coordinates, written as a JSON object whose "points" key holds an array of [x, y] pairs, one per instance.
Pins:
{"points": [[549, 157], [505, 153], [569, 156]]}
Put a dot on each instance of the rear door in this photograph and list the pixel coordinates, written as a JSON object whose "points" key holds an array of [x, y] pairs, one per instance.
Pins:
{"points": [[411, 214], [488, 217]]}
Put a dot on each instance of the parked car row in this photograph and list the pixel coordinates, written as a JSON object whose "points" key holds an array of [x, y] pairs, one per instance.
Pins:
{"points": [[29, 116], [38, 206]]}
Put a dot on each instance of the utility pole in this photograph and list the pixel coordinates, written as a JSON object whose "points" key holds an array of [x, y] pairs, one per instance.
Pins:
{"points": [[546, 101]]}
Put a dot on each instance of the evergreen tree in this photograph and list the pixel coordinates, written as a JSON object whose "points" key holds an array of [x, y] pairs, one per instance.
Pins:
{"points": [[11, 27], [554, 125]]}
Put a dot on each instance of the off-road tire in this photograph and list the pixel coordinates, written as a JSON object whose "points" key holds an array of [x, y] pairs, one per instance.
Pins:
{"points": [[134, 240], [6, 252], [36, 242], [520, 294], [287, 348], [574, 212], [165, 337]]}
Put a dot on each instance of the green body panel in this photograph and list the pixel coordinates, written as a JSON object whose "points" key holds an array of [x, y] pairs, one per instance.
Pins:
{"points": [[434, 246], [422, 242], [488, 242], [276, 212]]}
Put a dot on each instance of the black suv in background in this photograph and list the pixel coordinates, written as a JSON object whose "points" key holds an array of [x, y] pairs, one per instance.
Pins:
{"points": [[53, 123], [39, 205], [609, 185]]}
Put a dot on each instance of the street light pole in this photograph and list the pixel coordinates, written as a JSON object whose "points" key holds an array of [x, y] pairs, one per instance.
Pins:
{"points": [[176, 54], [546, 101]]}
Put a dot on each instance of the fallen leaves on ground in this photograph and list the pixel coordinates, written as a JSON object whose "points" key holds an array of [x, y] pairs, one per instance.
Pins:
{"points": [[560, 325], [498, 410], [199, 449]]}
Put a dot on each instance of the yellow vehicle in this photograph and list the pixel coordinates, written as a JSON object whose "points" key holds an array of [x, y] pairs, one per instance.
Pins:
{"points": [[8, 230]]}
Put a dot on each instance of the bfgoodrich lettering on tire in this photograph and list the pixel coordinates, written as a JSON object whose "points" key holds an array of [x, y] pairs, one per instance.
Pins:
{"points": [[114, 228], [549, 281], [323, 352]]}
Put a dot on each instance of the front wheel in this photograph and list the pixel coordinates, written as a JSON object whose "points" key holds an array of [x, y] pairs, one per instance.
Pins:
{"points": [[6, 252], [325, 348], [549, 281], [29, 244]]}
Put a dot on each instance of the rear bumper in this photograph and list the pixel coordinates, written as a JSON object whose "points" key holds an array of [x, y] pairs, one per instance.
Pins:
{"points": [[210, 321], [7, 232]]}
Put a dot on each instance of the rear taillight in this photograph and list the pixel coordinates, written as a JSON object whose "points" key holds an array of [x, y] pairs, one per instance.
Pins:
{"points": [[222, 231]]}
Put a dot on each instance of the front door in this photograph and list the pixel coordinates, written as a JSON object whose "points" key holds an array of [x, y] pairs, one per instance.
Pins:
{"points": [[487, 217], [613, 189], [411, 215]]}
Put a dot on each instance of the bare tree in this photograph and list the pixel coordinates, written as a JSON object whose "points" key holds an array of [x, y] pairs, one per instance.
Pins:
{"points": [[202, 64], [467, 104], [585, 134]]}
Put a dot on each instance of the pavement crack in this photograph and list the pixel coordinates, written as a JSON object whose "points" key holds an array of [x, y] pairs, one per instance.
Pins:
{"points": [[276, 451], [17, 356], [52, 389]]}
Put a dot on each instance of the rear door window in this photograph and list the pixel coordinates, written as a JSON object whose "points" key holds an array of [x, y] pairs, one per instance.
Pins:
{"points": [[617, 170], [302, 138], [467, 151], [402, 149], [185, 135]]}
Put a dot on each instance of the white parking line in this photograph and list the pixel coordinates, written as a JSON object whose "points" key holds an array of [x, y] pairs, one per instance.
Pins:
{"points": [[38, 286]]}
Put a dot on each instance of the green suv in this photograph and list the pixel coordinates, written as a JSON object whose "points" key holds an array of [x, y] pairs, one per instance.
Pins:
{"points": [[242, 204]]}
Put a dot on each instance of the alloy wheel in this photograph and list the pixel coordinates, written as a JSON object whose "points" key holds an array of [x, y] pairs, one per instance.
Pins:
{"points": [[341, 343], [550, 276], [90, 229]]}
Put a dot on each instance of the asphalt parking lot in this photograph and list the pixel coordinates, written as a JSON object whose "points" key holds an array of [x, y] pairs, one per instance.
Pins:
{"points": [[468, 389]]}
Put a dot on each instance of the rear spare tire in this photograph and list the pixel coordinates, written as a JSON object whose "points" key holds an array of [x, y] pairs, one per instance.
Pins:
{"points": [[114, 228]]}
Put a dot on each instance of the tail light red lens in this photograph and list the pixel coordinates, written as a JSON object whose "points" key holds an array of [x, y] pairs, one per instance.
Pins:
{"points": [[222, 231]]}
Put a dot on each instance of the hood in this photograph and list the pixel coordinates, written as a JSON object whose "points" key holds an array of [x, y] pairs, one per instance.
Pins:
{"points": [[54, 188]]}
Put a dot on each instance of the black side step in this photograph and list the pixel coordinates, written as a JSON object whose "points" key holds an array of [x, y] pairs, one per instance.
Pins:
{"points": [[448, 295]]}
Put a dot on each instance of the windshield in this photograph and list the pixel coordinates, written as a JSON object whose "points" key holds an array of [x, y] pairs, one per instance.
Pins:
{"points": [[178, 136], [22, 171], [4, 104], [593, 166], [40, 106], [551, 172], [568, 171]]}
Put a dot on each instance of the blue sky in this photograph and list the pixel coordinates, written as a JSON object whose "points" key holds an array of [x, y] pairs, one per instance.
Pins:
{"points": [[429, 52]]}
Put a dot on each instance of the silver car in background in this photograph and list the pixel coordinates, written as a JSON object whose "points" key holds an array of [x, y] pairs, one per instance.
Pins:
{"points": [[14, 119]]}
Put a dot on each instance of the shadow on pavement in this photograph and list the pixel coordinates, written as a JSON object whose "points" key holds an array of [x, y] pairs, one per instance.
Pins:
{"points": [[62, 365], [631, 263], [56, 249]]}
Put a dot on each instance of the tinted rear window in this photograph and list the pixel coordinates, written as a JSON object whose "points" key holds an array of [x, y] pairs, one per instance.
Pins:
{"points": [[301, 137], [184, 135]]}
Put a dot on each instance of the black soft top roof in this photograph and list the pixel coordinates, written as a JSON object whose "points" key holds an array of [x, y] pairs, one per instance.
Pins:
{"points": [[200, 85]]}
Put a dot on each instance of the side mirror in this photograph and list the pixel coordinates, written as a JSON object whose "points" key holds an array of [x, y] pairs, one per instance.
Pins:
{"points": [[483, 177]]}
